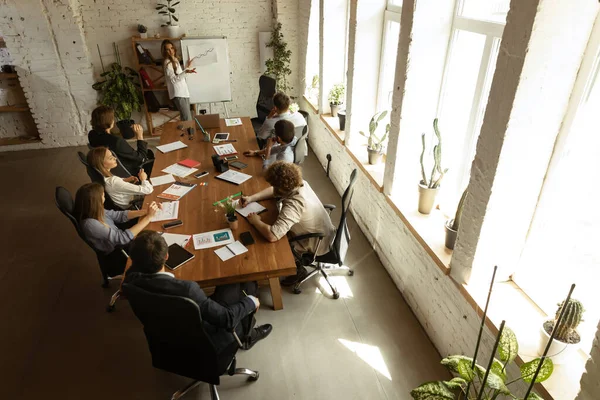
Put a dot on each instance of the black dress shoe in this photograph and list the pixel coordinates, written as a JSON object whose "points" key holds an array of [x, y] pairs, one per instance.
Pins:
{"points": [[258, 333], [301, 273]]}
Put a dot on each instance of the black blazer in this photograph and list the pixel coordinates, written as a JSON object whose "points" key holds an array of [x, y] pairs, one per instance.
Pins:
{"points": [[218, 320], [130, 158]]}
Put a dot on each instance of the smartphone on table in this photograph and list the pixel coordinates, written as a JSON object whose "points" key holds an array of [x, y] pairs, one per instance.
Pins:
{"points": [[172, 224]]}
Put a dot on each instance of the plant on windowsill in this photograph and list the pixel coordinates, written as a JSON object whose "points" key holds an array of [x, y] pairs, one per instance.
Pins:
{"points": [[428, 188], [376, 143], [336, 98], [120, 91], [229, 206], [279, 66], [566, 337], [172, 24], [313, 89], [452, 225], [143, 31]]}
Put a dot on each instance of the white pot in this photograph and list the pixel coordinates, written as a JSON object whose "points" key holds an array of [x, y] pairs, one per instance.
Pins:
{"points": [[559, 352], [173, 31], [426, 198], [144, 35]]}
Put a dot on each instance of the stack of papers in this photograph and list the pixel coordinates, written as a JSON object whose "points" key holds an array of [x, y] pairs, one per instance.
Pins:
{"points": [[175, 238], [225, 149], [179, 170], [231, 250], [212, 239], [169, 210], [253, 207], [234, 177], [176, 191], [162, 180], [165, 148], [233, 121]]}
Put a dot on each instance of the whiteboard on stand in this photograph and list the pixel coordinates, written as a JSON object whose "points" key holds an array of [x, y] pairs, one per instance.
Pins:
{"points": [[211, 83]]}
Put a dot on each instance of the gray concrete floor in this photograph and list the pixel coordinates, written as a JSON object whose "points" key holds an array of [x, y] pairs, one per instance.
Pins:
{"points": [[58, 342]]}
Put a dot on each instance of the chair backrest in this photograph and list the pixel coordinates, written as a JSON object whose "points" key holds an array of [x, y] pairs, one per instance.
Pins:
{"points": [[119, 171], [176, 338], [305, 115], [301, 149], [96, 176], [264, 104], [342, 236], [64, 202], [299, 131]]}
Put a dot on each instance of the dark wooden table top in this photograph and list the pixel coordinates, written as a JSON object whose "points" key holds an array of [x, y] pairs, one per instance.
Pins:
{"points": [[263, 260]]}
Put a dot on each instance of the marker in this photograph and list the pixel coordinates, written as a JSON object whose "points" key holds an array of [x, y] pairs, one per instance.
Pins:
{"points": [[232, 196]]}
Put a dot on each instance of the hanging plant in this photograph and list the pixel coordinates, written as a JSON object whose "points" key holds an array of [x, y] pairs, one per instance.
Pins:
{"points": [[168, 10], [279, 65]]}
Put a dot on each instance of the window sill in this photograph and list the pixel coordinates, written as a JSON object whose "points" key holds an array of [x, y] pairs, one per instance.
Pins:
{"points": [[311, 104], [361, 157], [333, 124], [523, 316]]}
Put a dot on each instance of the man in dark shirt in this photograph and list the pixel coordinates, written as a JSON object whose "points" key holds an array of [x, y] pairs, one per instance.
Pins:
{"points": [[103, 120], [230, 306]]}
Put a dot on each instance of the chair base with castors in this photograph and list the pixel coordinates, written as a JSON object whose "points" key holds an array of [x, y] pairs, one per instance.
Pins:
{"points": [[324, 270]]}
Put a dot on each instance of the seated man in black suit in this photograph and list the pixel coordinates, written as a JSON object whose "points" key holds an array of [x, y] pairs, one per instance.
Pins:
{"points": [[103, 120], [230, 306]]}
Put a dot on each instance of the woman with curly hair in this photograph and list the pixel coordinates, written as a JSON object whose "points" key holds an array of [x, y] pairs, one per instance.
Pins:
{"points": [[300, 212]]}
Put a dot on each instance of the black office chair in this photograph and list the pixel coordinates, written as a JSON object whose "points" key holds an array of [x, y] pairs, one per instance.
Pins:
{"points": [[301, 149], [338, 250], [178, 343], [267, 88], [305, 115]]}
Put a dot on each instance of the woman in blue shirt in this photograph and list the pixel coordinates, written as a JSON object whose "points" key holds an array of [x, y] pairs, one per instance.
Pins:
{"points": [[99, 226]]}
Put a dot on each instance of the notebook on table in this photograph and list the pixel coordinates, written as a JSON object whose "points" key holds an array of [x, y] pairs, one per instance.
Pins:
{"points": [[189, 163], [177, 256], [176, 191]]}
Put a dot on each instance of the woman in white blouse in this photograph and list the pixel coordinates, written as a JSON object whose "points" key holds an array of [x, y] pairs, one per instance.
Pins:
{"points": [[122, 191], [175, 79]]}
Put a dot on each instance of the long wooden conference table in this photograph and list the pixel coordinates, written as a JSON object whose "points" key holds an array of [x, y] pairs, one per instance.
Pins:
{"points": [[264, 260]]}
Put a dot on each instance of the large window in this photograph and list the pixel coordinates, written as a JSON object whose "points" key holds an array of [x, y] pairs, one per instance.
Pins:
{"points": [[476, 33], [311, 85], [563, 240], [387, 73]]}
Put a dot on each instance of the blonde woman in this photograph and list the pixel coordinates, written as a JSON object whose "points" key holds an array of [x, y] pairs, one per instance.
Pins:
{"points": [[122, 191], [175, 79]]}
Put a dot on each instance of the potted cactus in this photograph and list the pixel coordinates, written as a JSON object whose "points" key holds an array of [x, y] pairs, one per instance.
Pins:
{"points": [[143, 31], [566, 336], [336, 98], [428, 188], [453, 224], [375, 144]]}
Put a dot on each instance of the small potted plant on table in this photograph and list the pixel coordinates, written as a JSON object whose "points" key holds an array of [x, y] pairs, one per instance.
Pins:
{"points": [[336, 98], [230, 205], [428, 188], [453, 224], [375, 144], [567, 337], [143, 31]]}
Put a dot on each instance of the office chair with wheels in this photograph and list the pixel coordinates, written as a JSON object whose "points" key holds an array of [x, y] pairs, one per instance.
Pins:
{"points": [[338, 250], [301, 149], [178, 343], [264, 104], [64, 202]]}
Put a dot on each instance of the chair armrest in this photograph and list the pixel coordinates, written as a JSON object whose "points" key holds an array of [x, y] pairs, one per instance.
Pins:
{"points": [[307, 236], [237, 339], [329, 207]]}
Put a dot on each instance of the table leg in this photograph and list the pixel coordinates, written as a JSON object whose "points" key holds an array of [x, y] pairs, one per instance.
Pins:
{"points": [[276, 293]]}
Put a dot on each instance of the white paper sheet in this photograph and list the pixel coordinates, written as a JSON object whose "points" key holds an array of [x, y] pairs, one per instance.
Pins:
{"points": [[170, 210], [233, 121], [253, 207], [179, 170], [172, 238], [165, 148], [213, 238], [162, 180], [231, 250], [234, 176], [225, 149]]}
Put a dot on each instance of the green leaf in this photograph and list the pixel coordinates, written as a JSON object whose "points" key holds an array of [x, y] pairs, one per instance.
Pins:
{"points": [[498, 369], [382, 115], [163, 12], [171, 9], [362, 133], [533, 396], [456, 383], [160, 7], [432, 391], [528, 370], [465, 371], [508, 348], [495, 382], [451, 362], [174, 4], [175, 18]]}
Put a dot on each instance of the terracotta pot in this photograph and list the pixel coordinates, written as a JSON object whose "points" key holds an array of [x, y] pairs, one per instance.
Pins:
{"points": [[426, 198], [233, 222], [450, 234]]}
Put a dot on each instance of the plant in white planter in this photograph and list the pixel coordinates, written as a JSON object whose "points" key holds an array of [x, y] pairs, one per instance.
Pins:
{"points": [[336, 98], [376, 143], [172, 24], [428, 188], [143, 31], [452, 225], [566, 336]]}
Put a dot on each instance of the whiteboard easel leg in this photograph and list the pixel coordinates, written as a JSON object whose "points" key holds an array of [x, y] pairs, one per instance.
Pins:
{"points": [[226, 110], [210, 108]]}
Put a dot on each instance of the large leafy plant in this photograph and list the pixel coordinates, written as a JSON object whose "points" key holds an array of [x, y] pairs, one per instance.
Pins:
{"points": [[168, 10], [120, 89], [279, 65], [375, 142]]}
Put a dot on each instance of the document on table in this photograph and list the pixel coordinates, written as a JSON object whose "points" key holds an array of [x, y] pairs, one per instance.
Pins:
{"points": [[162, 180], [165, 148], [234, 177], [176, 191], [169, 210], [213, 238], [179, 170], [225, 149], [253, 207], [231, 250], [233, 121], [175, 238]]}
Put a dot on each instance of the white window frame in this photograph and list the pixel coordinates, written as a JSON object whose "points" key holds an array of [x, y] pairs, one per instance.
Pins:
{"points": [[392, 14]]}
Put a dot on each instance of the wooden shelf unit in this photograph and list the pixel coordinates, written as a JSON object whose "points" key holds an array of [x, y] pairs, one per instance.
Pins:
{"points": [[10, 141], [8, 75], [14, 108], [152, 130]]}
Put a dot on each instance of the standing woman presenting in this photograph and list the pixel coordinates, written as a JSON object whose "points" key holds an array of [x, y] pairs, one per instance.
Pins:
{"points": [[175, 79]]}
